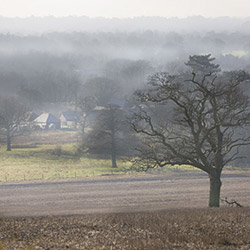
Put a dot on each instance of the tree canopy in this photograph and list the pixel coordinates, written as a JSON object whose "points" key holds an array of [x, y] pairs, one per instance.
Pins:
{"points": [[12, 113]]}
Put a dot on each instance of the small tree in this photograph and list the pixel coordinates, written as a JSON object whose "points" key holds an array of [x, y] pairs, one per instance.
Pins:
{"points": [[204, 111], [12, 113]]}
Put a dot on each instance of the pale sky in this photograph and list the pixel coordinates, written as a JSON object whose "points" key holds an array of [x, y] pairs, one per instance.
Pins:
{"points": [[125, 8]]}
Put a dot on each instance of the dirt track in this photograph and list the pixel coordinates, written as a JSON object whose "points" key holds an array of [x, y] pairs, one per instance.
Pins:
{"points": [[117, 195]]}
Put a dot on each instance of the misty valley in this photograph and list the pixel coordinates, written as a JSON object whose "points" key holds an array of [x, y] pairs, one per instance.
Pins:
{"points": [[124, 133]]}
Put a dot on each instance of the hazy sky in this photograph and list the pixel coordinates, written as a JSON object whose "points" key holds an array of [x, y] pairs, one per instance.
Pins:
{"points": [[125, 8]]}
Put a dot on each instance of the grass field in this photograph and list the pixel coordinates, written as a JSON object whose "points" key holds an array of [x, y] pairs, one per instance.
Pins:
{"points": [[50, 162], [52, 155]]}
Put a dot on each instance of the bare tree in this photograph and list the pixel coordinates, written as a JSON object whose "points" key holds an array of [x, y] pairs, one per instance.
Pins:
{"points": [[203, 112], [12, 113], [86, 105]]}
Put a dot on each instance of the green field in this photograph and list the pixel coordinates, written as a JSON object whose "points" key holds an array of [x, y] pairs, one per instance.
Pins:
{"points": [[52, 155], [52, 162]]}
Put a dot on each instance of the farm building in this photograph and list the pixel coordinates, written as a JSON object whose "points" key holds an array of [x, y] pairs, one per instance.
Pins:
{"points": [[70, 119], [47, 121]]}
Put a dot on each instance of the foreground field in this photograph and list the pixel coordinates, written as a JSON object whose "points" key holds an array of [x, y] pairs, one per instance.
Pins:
{"points": [[225, 228]]}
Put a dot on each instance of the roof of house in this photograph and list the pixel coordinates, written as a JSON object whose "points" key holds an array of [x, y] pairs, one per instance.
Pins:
{"points": [[117, 102], [99, 108], [31, 116], [71, 115], [46, 118]]}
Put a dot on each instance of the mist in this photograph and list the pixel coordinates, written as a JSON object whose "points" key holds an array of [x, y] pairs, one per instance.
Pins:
{"points": [[85, 48], [41, 25]]}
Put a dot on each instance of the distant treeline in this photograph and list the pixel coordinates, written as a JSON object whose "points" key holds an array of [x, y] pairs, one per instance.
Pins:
{"points": [[54, 67]]}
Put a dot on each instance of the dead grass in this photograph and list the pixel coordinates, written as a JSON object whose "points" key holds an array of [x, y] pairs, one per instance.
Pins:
{"points": [[48, 137], [225, 228]]}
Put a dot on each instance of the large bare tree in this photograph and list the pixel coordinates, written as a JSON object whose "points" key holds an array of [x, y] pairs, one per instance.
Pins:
{"points": [[193, 119], [12, 113]]}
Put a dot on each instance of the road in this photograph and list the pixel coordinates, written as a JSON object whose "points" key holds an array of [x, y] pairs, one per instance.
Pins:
{"points": [[110, 195]]}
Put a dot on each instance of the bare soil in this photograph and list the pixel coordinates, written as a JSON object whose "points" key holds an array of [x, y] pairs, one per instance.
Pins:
{"points": [[112, 195]]}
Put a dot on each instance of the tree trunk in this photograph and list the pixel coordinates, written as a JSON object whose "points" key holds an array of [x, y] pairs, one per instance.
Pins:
{"points": [[113, 149], [114, 165], [8, 140], [215, 187], [82, 132]]}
